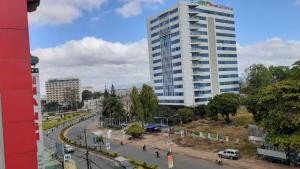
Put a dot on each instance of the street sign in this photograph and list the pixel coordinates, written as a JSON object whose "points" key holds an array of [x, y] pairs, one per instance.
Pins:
{"points": [[170, 161]]}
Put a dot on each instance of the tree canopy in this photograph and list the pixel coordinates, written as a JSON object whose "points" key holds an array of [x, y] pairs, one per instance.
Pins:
{"points": [[137, 108], [277, 109], [86, 95], [149, 103], [225, 104], [258, 76]]}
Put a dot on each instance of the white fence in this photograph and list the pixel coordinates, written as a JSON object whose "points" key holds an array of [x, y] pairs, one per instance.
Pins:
{"points": [[205, 135]]}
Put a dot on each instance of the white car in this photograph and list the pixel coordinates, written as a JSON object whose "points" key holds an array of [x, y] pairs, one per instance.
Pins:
{"points": [[230, 154], [122, 163], [68, 149]]}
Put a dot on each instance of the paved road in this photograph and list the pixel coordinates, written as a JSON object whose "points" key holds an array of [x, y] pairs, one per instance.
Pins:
{"points": [[79, 155], [180, 161]]}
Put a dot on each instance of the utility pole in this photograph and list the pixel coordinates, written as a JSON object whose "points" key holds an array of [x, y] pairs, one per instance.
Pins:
{"points": [[88, 165]]}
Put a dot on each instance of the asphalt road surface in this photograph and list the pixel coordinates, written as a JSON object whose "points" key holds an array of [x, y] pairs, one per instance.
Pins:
{"points": [[180, 161], [97, 162]]}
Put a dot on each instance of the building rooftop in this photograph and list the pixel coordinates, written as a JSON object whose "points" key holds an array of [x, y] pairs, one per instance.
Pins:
{"points": [[62, 79]]}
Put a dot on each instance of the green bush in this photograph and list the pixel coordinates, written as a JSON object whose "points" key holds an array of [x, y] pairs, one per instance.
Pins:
{"points": [[135, 130]]}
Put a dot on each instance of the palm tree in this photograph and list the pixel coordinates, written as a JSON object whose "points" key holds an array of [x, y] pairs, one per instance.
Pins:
{"points": [[100, 140]]}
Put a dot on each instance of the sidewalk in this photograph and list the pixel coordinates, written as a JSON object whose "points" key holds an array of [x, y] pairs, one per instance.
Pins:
{"points": [[159, 141]]}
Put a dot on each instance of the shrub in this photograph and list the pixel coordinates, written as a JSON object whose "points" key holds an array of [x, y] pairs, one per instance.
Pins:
{"points": [[135, 130]]}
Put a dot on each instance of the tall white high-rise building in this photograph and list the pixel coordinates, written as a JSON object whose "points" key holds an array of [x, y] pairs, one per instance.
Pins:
{"points": [[192, 53]]}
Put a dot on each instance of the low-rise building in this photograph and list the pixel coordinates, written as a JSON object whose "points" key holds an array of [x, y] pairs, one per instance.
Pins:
{"points": [[93, 104]]}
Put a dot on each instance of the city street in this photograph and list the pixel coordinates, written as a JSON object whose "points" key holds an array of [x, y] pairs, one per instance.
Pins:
{"points": [[181, 162], [97, 162]]}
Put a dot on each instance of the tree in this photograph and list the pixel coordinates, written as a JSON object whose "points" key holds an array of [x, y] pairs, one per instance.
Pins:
{"points": [[52, 106], [100, 140], [149, 103], [113, 107], [137, 107], [106, 94], [276, 108], [200, 110], [86, 95], [279, 73], [97, 95], [258, 76], [225, 104], [135, 130], [186, 115], [295, 71]]}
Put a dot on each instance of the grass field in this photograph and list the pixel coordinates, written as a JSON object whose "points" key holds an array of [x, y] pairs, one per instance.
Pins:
{"points": [[236, 129], [48, 124]]}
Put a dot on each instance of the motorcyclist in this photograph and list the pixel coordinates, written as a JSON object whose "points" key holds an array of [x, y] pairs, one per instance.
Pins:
{"points": [[144, 147]]}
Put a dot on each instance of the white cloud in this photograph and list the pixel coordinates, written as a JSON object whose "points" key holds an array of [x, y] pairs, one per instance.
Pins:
{"points": [[135, 7], [55, 12], [275, 51], [96, 62]]}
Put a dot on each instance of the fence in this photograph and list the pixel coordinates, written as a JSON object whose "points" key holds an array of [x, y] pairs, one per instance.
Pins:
{"points": [[204, 135]]}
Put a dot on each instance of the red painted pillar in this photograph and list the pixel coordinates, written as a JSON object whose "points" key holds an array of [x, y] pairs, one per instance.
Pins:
{"points": [[20, 149]]}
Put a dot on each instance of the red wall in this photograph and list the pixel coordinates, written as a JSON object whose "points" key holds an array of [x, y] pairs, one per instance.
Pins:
{"points": [[16, 87]]}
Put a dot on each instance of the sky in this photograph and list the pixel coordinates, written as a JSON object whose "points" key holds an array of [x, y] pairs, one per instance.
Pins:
{"points": [[104, 41]]}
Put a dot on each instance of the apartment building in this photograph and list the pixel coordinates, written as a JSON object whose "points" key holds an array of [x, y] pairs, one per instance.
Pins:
{"points": [[63, 90]]}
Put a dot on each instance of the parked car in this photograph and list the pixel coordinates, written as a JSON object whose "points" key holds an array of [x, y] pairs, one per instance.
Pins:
{"points": [[68, 149], [123, 163], [230, 154], [275, 155]]}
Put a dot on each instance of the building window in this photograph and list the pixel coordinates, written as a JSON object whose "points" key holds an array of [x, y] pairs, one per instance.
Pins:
{"points": [[229, 83], [202, 99], [201, 85], [230, 90], [178, 79], [177, 71], [226, 35], [171, 101], [226, 41], [229, 76], [177, 64], [224, 21], [227, 62], [227, 55], [202, 92], [228, 69], [225, 28], [176, 56], [227, 48], [199, 77], [178, 86], [198, 70]]}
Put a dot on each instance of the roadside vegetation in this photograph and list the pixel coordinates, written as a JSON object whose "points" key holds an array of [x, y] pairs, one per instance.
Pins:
{"points": [[48, 124]]}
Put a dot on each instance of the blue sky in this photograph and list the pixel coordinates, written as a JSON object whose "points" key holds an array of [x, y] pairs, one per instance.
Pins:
{"points": [[256, 20], [262, 25]]}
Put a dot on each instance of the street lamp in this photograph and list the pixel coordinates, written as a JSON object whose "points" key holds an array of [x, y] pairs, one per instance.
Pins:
{"points": [[170, 150]]}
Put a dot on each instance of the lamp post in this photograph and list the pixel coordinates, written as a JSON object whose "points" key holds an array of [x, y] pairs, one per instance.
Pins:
{"points": [[167, 118]]}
